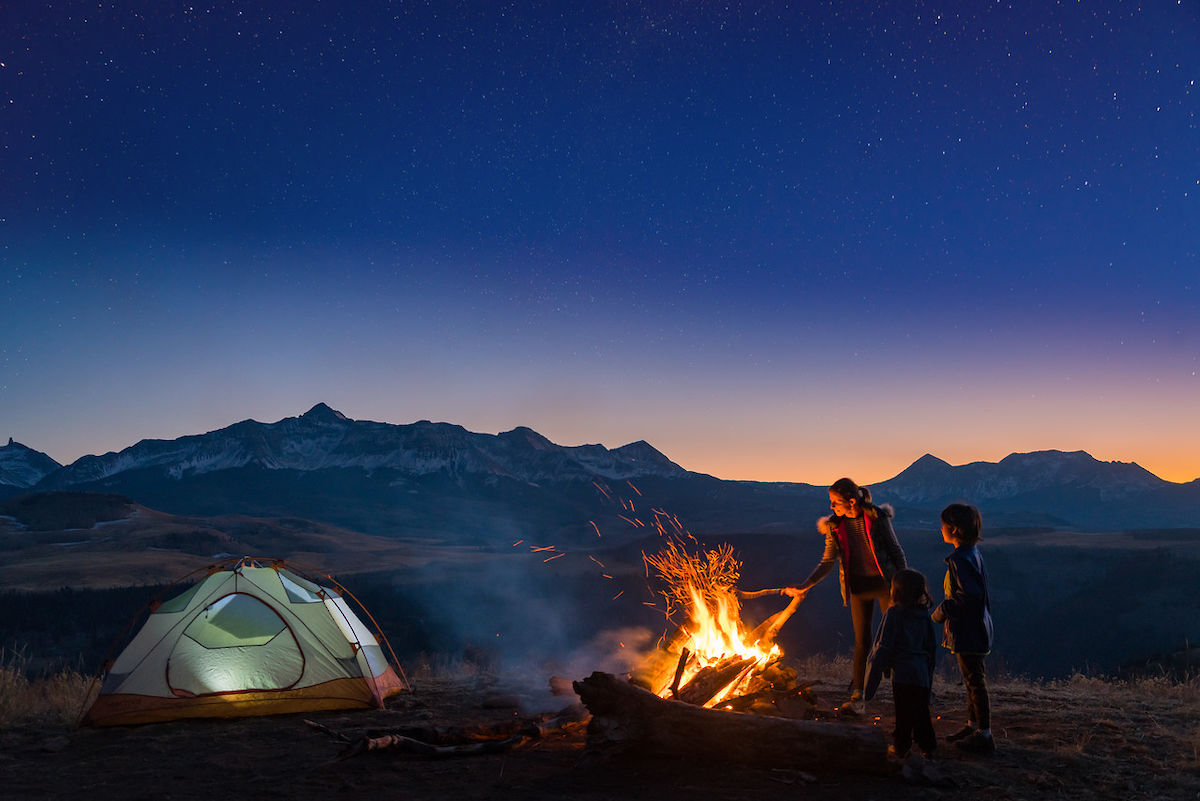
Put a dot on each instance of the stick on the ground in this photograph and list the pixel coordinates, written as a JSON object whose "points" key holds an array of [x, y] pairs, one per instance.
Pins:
{"points": [[321, 727], [401, 743]]}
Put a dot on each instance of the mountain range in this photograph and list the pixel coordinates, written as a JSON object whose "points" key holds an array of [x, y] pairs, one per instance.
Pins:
{"points": [[441, 481]]}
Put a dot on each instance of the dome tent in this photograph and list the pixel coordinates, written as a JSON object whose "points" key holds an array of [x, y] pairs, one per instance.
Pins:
{"points": [[253, 637]]}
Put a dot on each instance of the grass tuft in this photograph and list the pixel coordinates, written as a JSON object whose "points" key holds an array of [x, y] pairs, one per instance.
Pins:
{"points": [[54, 700]]}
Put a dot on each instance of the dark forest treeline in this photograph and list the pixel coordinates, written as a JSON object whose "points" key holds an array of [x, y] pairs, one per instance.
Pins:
{"points": [[69, 628], [57, 511]]}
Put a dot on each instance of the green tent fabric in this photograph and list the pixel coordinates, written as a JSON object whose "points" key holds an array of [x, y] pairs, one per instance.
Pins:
{"points": [[254, 637]]}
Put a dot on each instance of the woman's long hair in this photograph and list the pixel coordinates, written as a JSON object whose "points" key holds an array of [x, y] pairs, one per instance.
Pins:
{"points": [[850, 491]]}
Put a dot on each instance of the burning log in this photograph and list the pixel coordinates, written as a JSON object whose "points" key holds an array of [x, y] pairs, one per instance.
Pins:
{"points": [[627, 717], [684, 657], [705, 685], [667, 657], [769, 702], [764, 633]]}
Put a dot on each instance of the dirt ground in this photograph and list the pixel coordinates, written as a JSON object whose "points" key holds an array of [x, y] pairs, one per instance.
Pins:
{"points": [[1070, 745]]}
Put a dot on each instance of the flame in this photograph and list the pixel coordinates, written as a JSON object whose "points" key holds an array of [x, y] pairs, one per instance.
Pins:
{"points": [[715, 630], [716, 635], [712, 658]]}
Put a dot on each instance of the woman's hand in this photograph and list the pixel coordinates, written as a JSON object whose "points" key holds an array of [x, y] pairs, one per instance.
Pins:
{"points": [[795, 592]]}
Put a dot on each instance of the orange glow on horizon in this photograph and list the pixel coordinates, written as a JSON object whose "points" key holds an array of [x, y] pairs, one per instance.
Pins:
{"points": [[1179, 468]]}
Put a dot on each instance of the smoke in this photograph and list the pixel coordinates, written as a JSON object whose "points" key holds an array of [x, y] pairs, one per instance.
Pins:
{"points": [[513, 620], [512, 608], [616, 651]]}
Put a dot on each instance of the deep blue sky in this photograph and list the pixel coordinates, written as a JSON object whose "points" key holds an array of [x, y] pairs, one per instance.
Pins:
{"points": [[778, 241]]}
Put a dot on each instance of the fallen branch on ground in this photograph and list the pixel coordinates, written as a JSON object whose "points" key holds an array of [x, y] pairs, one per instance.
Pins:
{"points": [[410, 745], [321, 727]]}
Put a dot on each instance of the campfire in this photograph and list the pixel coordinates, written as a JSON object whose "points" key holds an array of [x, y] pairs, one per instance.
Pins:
{"points": [[713, 659], [716, 665]]}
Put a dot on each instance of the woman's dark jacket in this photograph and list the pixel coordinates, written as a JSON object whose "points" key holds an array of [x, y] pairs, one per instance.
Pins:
{"points": [[966, 612], [889, 556]]}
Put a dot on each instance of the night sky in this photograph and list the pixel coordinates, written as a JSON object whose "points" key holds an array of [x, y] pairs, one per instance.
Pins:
{"points": [[777, 241]]}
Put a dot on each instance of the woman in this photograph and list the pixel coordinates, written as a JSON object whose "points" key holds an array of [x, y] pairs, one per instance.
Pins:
{"points": [[860, 538]]}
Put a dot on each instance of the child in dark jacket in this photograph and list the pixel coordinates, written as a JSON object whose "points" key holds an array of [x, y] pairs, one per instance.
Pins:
{"points": [[967, 616], [906, 648]]}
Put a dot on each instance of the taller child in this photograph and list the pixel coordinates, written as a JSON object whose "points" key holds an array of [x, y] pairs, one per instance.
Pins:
{"points": [[967, 615], [860, 538]]}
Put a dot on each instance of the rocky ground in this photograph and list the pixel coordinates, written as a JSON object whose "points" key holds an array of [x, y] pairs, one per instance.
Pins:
{"points": [[1084, 739]]}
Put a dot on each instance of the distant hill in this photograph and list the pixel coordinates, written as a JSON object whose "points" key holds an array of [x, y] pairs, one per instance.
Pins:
{"points": [[93, 540], [1071, 490], [48, 511]]}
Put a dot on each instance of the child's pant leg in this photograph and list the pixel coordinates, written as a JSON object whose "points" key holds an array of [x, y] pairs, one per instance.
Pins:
{"points": [[974, 675], [912, 719]]}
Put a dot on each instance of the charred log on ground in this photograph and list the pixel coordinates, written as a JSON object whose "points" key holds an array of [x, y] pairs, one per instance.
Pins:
{"points": [[626, 717]]}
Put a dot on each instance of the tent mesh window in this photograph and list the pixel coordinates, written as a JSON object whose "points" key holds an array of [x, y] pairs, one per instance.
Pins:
{"points": [[235, 644]]}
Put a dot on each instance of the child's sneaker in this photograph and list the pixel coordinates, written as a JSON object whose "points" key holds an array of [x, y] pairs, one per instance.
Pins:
{"points": [[977, 743], [962, 734]]}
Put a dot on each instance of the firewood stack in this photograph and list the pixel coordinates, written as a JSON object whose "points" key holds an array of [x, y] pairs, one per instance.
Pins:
{"points": [[771, 689]]}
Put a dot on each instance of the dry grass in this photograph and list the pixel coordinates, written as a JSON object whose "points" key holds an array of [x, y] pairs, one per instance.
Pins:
{"points": [[54, 700], [466, 667]]}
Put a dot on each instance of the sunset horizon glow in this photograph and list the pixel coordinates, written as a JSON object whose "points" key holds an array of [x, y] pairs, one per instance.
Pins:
{"points": [[769, 464]]}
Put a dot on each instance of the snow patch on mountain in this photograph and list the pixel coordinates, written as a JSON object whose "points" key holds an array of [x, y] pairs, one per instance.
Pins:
{"points": [[23, 467], [324, 438]]}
